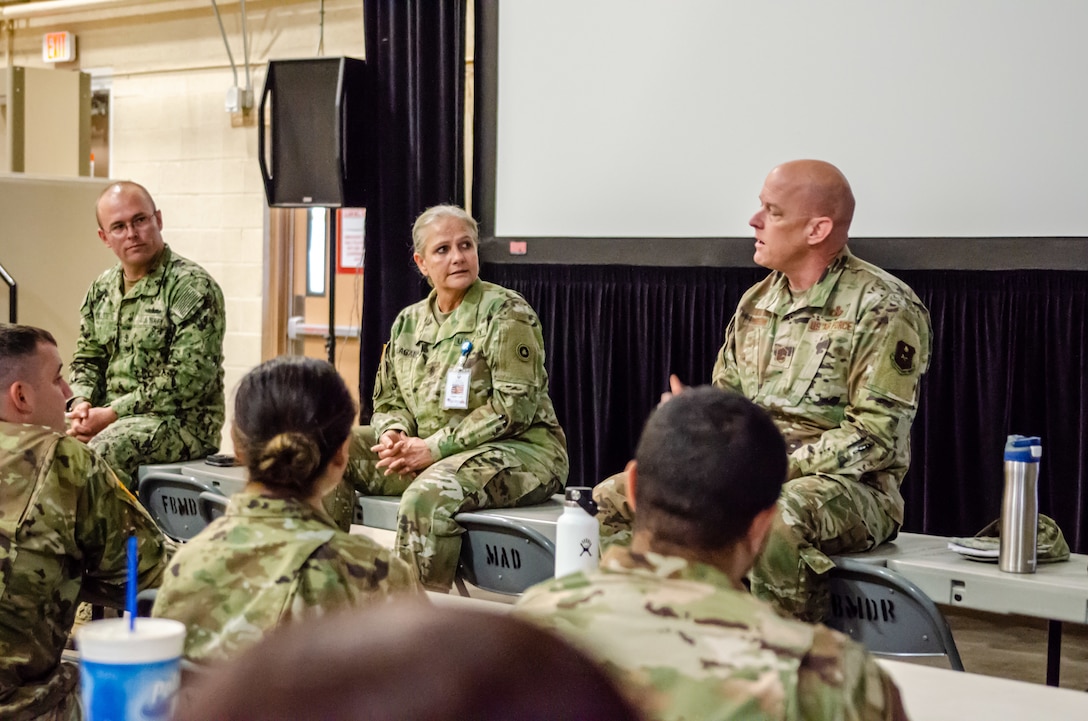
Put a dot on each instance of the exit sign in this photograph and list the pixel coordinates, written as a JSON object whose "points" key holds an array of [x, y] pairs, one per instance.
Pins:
{"points": [[59, 47]]}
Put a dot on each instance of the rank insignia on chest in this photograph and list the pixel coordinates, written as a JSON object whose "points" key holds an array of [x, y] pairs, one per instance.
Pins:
{"points": [[903, 357], [781, 356]]}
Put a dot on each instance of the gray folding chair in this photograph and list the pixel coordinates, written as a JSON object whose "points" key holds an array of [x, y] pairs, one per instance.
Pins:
{"points": [[181, 505], [213, 504], [501, 555], [887, 613], [145, 601]]}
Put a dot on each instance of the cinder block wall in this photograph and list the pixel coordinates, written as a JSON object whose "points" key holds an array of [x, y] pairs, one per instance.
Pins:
{"points": [[170, 130]]}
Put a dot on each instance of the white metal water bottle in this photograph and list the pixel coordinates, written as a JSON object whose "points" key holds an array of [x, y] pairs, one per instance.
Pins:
{"points": [[577, 535], [1020, 504]]}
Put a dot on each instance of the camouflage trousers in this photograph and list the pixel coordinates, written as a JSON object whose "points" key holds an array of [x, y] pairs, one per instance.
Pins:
{"points": [[614, 512], [133, 441], [819, 516], [491, 476], [61, 699]]}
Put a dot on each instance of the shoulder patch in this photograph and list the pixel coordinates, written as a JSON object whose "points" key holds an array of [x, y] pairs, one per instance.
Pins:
{"points": [[903, 357], [188, 300]]}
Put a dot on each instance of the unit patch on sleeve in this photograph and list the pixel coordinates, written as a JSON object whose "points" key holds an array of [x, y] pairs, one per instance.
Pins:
{"points": [[903, 357]]}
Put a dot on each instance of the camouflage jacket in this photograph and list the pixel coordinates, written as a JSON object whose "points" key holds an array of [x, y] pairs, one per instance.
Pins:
{"points": [[270, 561], [64, 523], [838, 368], [157, 350], [508, 397], [686, 644]]}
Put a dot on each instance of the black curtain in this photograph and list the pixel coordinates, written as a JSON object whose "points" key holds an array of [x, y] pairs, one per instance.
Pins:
{"points": [[1010, 350], [415, 52], [1010, 355], [612, 335]]}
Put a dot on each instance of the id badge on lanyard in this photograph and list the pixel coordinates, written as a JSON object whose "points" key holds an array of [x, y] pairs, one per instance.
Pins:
{"points": [[457, 381]]}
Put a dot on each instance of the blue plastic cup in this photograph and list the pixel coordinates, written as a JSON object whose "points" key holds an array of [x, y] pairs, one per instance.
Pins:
{"points": [[130, 675]]}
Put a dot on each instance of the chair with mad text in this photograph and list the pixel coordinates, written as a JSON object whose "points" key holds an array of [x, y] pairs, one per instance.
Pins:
{"points": [[501, 555]]}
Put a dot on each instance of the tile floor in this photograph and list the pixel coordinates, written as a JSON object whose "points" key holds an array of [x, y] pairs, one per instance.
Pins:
{"points": [[1015, 647]]}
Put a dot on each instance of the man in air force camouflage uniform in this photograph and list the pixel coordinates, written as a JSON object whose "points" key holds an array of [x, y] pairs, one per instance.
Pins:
{"points": [[834, 349], [64, 522], [493, 443], [670, 617], [148, 369]]}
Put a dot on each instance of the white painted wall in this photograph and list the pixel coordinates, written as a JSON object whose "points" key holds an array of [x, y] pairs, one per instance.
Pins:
{"points": [[170, 130], [660, 118]]}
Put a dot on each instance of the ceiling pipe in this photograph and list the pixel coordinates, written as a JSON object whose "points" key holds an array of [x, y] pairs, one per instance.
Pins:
{"points": [[58, 7], [61, 7]]}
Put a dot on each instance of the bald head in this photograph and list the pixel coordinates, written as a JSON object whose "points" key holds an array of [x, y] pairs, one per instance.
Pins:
{"points": [[131, 227], [820, 189], [118, 190], [803, 221]]}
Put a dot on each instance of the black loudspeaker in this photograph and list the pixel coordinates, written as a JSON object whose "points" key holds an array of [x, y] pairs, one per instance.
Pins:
{"points": [[316, 111]]}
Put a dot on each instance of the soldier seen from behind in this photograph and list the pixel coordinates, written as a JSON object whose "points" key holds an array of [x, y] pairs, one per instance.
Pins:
{"points": [[379, 663], [670, 616], [277, 556]]}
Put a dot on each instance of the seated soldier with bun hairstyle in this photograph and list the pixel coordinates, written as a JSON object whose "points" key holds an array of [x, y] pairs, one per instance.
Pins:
{"points": [[277, 555]]}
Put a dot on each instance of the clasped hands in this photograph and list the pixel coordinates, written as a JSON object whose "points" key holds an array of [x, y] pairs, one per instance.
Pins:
{"points": [[407, 455], [86, 421], [402, 454]]}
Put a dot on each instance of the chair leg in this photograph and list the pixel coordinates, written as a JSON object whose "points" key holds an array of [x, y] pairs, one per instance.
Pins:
{"points": [[1053, 653], [461, 587]]}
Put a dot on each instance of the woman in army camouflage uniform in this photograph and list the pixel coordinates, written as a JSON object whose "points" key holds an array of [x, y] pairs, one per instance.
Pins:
{"points": [[276, 555], [462, 416]]}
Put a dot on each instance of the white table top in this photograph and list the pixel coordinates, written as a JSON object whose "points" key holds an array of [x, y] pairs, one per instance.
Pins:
{"points": [[905, 545], [936, 694], [229, 479], [381, 512], [1056, 591]]}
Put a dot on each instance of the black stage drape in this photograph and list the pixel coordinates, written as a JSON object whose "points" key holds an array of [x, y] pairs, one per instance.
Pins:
{"points": [[1010, 356], [415, 52]]}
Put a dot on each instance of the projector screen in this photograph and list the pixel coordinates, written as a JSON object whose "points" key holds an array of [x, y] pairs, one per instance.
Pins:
{"points": [[661, 118]]}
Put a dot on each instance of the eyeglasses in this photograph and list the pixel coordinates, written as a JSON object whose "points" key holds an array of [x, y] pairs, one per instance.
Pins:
{"points": [[138, 224]]}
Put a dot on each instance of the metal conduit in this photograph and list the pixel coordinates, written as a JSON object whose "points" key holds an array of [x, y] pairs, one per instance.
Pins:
{"points": [[13, 295]]}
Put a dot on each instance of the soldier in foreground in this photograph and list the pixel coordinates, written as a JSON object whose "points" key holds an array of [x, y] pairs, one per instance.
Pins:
{"points": [[276, 556], [379, 663], [670, 617], [64, 523], [834, 349]]}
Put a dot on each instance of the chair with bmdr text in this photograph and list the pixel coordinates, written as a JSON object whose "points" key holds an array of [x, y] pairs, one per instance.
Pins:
{"points": [[181, 505], [887, 613], [502, 556]]}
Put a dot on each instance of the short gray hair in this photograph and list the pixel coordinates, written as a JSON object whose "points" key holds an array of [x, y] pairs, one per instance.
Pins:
{"points": [[437, 212]]}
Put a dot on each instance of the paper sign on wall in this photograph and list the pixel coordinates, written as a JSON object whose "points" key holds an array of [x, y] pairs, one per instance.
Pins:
{"points": [[350, 233]]}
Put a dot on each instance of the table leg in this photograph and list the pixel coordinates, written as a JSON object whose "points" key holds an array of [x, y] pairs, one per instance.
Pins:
{"points": [[1053, 652]]}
